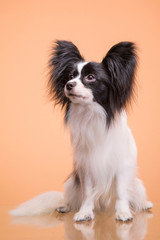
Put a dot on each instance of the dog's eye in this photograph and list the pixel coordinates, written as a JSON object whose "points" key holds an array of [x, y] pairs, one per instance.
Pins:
{"points": [[90, 78], [71, 76]]}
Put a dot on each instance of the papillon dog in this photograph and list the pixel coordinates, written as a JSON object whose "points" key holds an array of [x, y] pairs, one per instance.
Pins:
{"points": [[94, 97]]}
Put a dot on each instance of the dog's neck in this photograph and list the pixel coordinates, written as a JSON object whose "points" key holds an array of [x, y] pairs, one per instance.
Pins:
{"points": [[88, 124]]}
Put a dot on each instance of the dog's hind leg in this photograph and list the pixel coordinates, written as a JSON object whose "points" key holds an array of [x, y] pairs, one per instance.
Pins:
{"points": [[72, 195], [63, 209], [138, 198]]}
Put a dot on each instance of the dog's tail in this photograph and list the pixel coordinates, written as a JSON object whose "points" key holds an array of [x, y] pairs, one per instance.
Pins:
{"points": [[42, 204]]}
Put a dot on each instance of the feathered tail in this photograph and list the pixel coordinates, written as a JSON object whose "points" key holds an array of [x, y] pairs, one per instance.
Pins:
{"points": [[42, 204]]}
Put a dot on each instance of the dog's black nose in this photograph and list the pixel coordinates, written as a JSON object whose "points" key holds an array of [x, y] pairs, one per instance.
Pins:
{"points": [[70, 85]]}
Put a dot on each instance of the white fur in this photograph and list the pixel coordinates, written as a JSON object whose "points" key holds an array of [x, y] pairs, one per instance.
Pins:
{"points": [[80, 66], [42, 204], [104, 161]]}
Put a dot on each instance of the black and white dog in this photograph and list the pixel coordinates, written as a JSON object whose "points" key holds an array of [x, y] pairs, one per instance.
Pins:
{"points": [[94, 96]]}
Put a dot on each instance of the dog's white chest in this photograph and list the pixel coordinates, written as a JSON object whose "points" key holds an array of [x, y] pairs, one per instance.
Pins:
{"points": [[93, 141], [87, 125]]}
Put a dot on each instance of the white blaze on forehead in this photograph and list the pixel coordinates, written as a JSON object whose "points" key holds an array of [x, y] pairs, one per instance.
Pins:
{"points": [[80, 66]]}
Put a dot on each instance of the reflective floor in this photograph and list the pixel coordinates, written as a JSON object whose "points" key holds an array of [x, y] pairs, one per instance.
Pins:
{"points": [[145, 225]]}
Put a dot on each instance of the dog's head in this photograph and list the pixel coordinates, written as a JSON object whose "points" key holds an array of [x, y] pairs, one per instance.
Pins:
{"points": [[110, 83]]}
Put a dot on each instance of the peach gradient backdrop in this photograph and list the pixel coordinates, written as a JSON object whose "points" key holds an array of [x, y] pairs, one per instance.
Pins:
{"points": [[35, 152]]}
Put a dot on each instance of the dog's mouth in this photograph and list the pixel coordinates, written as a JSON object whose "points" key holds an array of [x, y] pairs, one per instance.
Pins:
{"points": [[76, 96]]}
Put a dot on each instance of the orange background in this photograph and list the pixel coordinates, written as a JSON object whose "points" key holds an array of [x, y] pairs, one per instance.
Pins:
{"points": [[35, 152]]}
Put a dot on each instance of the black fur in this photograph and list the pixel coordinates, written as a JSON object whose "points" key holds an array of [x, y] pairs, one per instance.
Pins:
{"points": [[120, 63], [63, 57], [114, 83]]}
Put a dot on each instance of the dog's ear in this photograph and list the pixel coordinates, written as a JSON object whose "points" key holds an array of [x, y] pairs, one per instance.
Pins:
{"points": [[120, 64], [63, 57]]}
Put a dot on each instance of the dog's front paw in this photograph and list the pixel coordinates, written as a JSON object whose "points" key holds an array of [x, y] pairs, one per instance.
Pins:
{"points": [[84, 216], [123, 215]]}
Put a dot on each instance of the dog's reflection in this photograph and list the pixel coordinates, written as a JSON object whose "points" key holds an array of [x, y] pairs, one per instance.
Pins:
{"points": [[102, 228]]}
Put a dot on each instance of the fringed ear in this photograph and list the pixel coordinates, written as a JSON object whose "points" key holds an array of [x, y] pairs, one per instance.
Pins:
{"points": [[120, 64], [63, 57]]}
